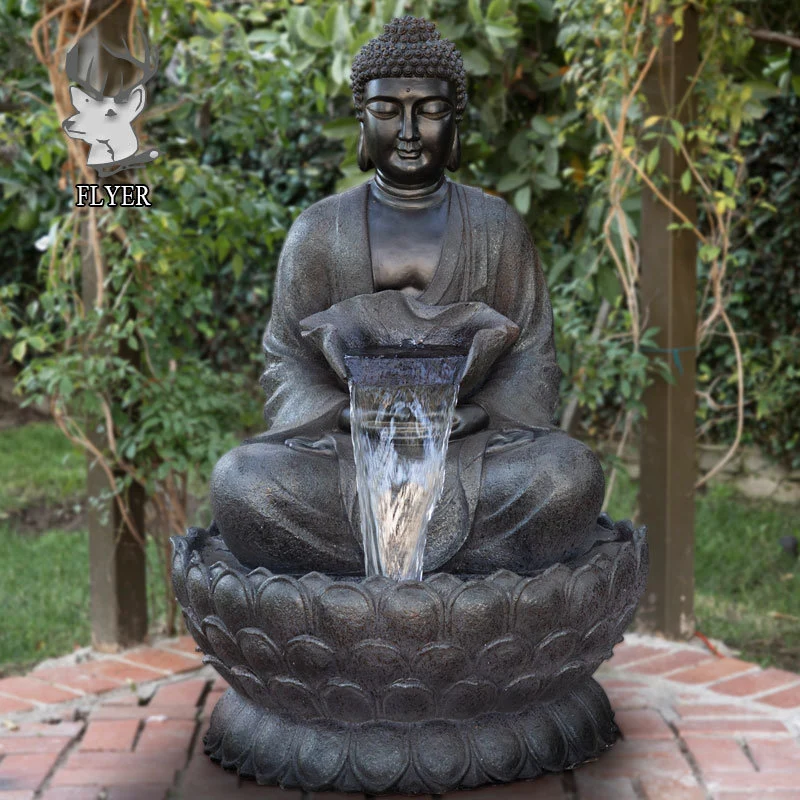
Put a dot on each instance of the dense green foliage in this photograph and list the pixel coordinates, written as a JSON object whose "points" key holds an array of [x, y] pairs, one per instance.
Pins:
{"points": [[765, 294], [252, 110]]}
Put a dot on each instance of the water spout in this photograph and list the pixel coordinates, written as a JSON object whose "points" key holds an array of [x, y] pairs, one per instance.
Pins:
{"points": [[401, 412]]}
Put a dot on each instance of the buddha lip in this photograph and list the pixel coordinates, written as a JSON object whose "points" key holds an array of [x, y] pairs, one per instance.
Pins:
{"points": [[409, 153]]}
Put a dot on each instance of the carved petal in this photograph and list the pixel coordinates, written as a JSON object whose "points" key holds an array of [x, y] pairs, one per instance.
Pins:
{"points": [[345, 614], [221, 641], [504, 658], [545, 740], [314, 583], [539, 607], [520, 693], [411, 615], [223, 670], [598, 638], [198, 588], [310, 659], [623, 578], [283, 609], [253, 687], [478, 614], [500, 751], [440, 664], [444, 584], [261, 653], [197, 634], [293, 696], [504, 580], [257, 576], [232, 601], [321, 755], [273, 747], [569, 675], [408, 701], [380, 755], [553, 651], [377, 664], [585, 596], [440, 754], [468, 698], [348, 701]]}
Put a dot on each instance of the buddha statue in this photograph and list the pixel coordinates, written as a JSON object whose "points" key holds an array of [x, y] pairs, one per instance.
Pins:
{"points": [[481, 671], [519, 493]]}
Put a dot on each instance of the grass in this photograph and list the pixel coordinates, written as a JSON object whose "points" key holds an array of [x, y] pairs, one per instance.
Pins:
{"points": [[44, 578], [741, 573], [742, 576], [44, 591], [38, 466]]}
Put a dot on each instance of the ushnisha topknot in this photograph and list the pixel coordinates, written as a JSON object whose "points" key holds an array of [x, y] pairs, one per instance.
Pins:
{"points": [[410, 47]]}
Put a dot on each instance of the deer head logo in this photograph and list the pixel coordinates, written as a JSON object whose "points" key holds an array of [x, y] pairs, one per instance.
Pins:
{"points": [[110, 95]]}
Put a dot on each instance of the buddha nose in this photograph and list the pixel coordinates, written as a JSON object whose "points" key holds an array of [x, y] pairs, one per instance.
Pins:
{"points": [[408, 131]]}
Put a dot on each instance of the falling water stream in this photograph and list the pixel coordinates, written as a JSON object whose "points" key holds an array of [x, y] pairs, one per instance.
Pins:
{"points": [[401, 412]]}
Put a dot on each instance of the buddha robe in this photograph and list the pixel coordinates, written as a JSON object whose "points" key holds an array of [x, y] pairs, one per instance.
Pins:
{"points": [[519, 495]]}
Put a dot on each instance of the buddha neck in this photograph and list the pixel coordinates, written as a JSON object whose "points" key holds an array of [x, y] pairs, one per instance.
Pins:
{"points": [[413, 198]]}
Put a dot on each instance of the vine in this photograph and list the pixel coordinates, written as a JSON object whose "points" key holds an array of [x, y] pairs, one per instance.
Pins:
{"points": [[613, 49]]}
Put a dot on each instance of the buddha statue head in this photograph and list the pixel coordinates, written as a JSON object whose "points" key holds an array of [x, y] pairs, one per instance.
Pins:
{"points": [[409, 90]]}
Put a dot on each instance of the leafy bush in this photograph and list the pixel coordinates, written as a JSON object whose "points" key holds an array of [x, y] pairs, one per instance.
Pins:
{"points": [[764, 297]]}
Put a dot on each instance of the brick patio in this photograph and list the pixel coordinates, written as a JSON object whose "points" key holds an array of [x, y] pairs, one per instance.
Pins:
{"points": [[129, 727]]}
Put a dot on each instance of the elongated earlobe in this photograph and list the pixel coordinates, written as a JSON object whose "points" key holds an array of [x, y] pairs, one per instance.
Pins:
{"points": [[454, 162], [364, 161]]}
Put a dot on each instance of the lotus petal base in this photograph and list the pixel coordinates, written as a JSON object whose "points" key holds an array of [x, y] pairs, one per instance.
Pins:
{"points": [[374, 685], [432, 756]]}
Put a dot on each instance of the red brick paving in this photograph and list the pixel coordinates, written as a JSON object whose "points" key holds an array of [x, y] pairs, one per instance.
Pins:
{"points": [[711, 671], [627, 654], [110, 735], [729, 726], [668, 662], [161, 659], [8, 705], [643, 724], [27, 688], [695, 727], [756, 682], [25, 770], [788, 698]]}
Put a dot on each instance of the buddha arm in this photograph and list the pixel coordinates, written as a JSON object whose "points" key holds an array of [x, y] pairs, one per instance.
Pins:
{"points": [[522, 386], [299, 384]]}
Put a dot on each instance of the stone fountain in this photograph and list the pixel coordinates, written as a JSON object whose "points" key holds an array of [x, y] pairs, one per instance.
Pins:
{"points": [[408, 583]]}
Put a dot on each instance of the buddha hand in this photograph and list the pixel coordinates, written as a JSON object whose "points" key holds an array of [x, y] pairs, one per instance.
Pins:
{"points": [[467, 419]]}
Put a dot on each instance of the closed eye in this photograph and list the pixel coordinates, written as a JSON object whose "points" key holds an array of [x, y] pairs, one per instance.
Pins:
{"points": [[111, 113], [435, 111], [382, 110]]}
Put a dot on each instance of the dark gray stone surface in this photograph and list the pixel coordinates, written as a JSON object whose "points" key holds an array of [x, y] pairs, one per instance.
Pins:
{"points": [[481, 672], [377, 685]]}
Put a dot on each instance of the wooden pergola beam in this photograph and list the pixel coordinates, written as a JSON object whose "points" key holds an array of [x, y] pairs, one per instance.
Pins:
{"points": [[117, 561], [668, 296]]}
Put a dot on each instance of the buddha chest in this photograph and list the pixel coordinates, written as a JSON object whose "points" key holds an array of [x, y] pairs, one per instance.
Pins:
{"points": [[405, 244]]}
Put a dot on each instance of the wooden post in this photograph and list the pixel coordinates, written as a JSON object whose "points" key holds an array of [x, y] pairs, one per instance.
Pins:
{"points": [[117, 562], [668, 283]]}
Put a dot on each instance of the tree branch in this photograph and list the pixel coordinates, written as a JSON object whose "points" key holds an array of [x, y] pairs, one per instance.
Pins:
{"points": [[775, 37]]}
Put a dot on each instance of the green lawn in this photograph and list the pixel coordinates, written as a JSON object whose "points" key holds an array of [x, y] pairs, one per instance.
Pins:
{"points": [[741, 573], [38, 466], [44, 584]]}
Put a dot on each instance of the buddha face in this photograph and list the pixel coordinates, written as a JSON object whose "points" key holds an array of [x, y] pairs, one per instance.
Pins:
{"points": [[409, 128]]}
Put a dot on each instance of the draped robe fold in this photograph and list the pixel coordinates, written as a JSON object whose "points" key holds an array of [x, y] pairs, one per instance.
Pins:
{"points": [[488, 256]]}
